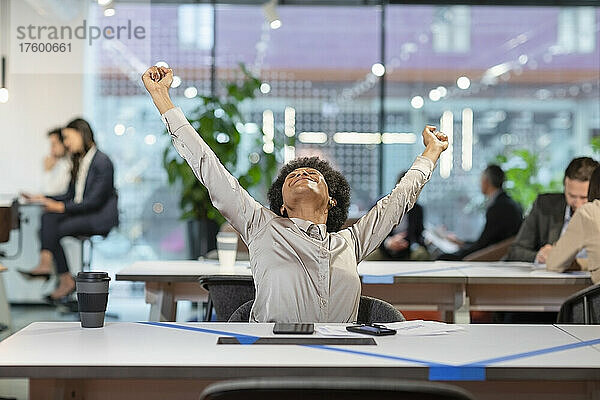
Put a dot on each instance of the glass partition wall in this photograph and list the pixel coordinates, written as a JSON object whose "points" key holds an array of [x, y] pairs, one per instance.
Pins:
{"points": [[356, 85]]}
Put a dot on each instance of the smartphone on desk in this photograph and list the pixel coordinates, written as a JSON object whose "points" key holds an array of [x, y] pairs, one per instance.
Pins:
{"points": [[286, 328], [373, 329]]}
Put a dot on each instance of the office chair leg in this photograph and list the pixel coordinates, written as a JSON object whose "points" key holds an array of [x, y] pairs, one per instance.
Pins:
{"points": [[86, 262], [209, 309], [90, 255], [82, 255]]}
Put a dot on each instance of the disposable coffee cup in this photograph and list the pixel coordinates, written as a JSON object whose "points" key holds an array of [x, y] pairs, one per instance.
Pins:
{"points": [[227, 249], [92, 297]]}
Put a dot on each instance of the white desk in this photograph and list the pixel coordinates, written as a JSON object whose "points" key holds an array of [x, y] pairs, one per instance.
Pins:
{"points": [[460, 287], [582, 332], [521, 287], [170, 281], [453, 287], [126, 360], [418, 286]]}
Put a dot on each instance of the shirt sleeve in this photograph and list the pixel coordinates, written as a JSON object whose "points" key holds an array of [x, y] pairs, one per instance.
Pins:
{"points": [[369, 231], [570, 243], [56, 181], [244, 213]]}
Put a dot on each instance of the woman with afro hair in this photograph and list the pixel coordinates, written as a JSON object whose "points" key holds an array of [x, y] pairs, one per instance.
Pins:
{"points": [[303, 264]]}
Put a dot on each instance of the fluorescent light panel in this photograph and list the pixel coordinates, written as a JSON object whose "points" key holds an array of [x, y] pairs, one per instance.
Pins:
{"points": [[398, 138], [447, 158], [359, 137], [313, 137], [467, 139]]}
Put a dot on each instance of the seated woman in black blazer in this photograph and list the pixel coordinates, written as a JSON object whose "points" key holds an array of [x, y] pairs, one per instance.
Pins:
{"points": [[88, 208]]}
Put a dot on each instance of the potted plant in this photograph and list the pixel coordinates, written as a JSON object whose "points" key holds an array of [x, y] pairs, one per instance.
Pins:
{"points": [[218, 120], [521, 169]]}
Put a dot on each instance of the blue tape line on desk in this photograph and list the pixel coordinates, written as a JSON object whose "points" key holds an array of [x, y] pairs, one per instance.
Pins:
{"points": [[458, 373], [389, 279], [243, 339], [385, 279], [484, 363], [437, 371], [442, 269], [376, 355], [251, 339]]}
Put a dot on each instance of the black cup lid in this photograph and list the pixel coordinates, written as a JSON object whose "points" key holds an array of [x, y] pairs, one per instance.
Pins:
{"points": [[92, 276]]}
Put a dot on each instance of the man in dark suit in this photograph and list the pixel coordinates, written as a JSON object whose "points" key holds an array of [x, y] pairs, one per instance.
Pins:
{"points": [[502, 219], [551, 213]]}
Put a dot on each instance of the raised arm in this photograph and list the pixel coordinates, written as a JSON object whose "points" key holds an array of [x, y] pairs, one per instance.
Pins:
{"points": [[369, 231], [244, 213]]}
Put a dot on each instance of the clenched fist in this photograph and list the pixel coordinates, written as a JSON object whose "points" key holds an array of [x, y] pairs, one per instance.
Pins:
{"points": [[432, 137], [435, 143], [157, 79]]}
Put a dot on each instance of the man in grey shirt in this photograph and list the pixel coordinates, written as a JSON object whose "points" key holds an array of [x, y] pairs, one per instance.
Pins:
{"points": [[304, 267]]}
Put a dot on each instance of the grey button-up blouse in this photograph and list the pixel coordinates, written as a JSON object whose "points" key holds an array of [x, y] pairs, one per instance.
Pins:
{"points": [[297, 278]]}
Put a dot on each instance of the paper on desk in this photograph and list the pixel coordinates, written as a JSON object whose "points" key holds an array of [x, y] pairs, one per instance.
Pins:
{"points": [[439, 241], [554, 273], [407, 328], [335, 330], [423, 328]]}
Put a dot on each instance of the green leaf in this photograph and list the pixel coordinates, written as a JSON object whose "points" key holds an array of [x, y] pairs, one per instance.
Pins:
{"points": [[195, 201], [522, 180], [595, 143]]}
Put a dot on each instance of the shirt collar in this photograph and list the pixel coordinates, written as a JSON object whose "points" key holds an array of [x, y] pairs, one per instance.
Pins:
{"points": [[89, 155], [492, 198], [304, 224], [568, 213]]}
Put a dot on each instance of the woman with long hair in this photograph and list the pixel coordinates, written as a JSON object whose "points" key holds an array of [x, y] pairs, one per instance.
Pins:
{"points": [[89, 207]]}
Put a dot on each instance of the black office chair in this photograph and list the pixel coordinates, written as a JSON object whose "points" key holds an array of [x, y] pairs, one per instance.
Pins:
{"points": [[226, 293], [242, 314], [581, 308], [370, 310], [318, 388]]}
